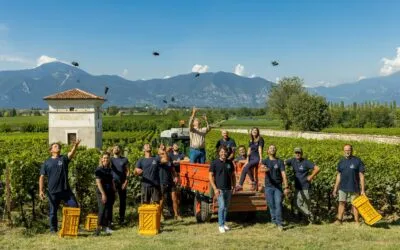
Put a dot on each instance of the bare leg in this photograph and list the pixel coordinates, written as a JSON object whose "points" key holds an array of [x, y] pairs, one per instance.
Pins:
{"points": [[341, 207], [175, 203], [356, 215]]}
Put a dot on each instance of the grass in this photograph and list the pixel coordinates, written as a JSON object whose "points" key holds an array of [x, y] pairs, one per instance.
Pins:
{"points": [[190, 235]]}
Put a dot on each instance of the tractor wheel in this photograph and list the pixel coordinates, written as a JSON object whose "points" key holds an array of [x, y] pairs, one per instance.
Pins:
{"points": [[202, 210]]}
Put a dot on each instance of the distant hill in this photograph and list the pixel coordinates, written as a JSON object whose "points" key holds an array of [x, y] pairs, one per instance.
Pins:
{"points": [[380, 89], [26, 88]]}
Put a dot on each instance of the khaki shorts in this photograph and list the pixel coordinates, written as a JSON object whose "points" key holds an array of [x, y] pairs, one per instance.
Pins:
{"points": [[347, 196]]}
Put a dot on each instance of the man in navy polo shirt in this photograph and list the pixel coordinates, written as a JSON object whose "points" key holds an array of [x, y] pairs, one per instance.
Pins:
{"points": [[120, 172], [56, 170], [222, 179], [302, 181], [350, 182], [148, 168], [229, 143], [275, 175]]}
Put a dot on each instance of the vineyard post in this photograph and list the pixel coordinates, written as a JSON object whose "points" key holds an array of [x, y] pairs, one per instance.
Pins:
{"points": [[8, 194]]}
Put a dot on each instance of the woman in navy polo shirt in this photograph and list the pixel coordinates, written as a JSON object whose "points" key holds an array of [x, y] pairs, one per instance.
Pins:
{"points": [[254, 157], [105, 194]]}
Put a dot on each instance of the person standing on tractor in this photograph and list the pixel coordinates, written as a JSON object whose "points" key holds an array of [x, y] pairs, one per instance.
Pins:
{"points": [[302, 181], [350, 182], [254, 158], [120, 171], [222, 179], [197, 153], [229, 143], [56, 170], [148, 168], [275, 175], [105, 194]]}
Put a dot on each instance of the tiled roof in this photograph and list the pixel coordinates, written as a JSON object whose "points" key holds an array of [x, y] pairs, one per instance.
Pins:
{"points": [[73, 94]]}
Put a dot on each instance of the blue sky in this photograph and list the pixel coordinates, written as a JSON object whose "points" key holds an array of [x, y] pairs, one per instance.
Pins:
{"points": [[323, 42]]}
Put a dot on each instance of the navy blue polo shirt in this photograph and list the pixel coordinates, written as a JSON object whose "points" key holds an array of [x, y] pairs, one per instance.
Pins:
{"points": [[175, 157], [56, 170], [222, 171], [350, 169], [301, 168], [230, 144], [254, 145], [273, 178], [165, 171], [106, 177], [119, 166], [150, 167]]}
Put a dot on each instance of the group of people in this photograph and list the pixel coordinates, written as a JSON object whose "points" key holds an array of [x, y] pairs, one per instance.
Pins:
{"points": [[159, 173], [350, 181], [160, 177]]}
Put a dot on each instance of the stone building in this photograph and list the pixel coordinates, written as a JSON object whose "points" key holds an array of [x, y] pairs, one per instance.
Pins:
{"points": [[75, 114]]}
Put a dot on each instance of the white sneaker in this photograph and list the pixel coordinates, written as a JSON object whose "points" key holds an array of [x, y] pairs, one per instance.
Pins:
{"points": [[108, 230], [226, 228], [221, 229]]}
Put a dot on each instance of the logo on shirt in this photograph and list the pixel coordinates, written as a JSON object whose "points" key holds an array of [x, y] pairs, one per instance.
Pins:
{"points": [[352, 166], [228, 166], [276, 166], [60, 163], [154, 162], [301, 167]]}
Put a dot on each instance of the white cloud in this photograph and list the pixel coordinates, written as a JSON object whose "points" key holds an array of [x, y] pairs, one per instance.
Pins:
{"points": [[125, 73], [239, 70], [277, 79], [14, 59], [252, 76], [166, 77], [391, 65], [45, 59], [200, 68], [361, 78]]}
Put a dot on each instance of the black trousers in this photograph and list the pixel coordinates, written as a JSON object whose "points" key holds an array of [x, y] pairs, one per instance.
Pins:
{"points": [[122, 200], [105, 210], [54, 202]]}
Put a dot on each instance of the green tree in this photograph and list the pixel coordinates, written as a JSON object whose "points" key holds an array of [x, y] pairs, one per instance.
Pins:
{"points": [[308, 112], [280, 94]]}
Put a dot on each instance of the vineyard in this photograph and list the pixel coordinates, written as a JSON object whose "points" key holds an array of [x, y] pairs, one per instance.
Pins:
{"points": [[22, 154]]}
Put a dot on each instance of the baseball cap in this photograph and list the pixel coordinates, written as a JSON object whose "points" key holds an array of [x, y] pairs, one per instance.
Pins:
{"points": [[298, 149]]}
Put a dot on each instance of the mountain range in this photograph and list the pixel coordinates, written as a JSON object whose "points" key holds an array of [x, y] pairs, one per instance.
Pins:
{"points": [[26, 88]]}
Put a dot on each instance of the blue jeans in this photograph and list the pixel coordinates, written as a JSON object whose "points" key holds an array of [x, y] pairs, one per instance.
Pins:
{"points": [[224, 199], [273, 196], [197, 155], [54, 202]]}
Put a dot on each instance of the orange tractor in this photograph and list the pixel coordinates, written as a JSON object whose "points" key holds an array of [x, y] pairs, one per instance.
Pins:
{"points": [[194, 178]]}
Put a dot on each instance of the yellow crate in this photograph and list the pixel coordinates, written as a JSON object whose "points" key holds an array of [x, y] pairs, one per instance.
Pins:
{"points": [[367, 211], [91, 222], [70, 221], [149, 219]]}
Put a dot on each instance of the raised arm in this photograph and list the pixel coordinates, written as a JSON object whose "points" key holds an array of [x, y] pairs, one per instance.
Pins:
{"points": [[208, 128], [73, 150], [194, 110]]}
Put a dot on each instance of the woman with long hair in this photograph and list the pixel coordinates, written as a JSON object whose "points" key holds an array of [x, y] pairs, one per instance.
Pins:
{"points": [[105, 194], [254, 158]]}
